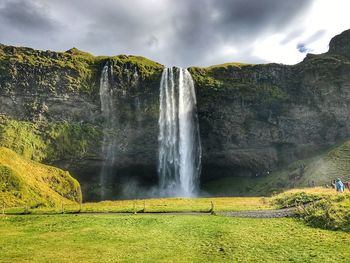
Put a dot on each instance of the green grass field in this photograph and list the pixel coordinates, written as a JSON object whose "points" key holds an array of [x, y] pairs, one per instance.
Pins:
{"points": [[166, 238], [170, 237]]}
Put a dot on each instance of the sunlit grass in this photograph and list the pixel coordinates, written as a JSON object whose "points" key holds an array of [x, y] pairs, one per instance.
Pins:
{"points": [[28, 183], [165, 238]]}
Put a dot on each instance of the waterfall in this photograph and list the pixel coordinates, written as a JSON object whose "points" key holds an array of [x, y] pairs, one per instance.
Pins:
{"points": [[109, 144], [180, 150]]}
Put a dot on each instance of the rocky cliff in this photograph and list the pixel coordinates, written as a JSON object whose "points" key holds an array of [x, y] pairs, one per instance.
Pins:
{"points": [[253, 118]]}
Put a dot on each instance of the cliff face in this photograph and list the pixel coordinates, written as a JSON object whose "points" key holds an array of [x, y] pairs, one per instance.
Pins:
{"points": [[253, 118], [256, 118], [50, 111]]}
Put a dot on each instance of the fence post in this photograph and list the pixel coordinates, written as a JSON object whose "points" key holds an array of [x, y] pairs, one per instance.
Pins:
{"points": [[134, 208], [144, 206], [62, 208], [212, 208], [3, 208]]}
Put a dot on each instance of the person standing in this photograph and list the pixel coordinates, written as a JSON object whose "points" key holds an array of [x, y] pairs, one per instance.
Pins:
{"points": [[339, 186]]}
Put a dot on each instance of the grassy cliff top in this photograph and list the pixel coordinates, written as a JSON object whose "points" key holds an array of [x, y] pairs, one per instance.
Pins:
{"points": [[26, 70], [48, 57], [25, 182]]}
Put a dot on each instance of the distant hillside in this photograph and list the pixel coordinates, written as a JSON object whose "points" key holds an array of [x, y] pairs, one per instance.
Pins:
{"points": [[25, 182]]}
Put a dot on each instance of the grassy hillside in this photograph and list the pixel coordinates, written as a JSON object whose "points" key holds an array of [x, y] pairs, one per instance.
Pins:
{"points": [[25, 182], [319, 171]]}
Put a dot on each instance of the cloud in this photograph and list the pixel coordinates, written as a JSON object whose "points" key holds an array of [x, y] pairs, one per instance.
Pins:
{"points": [[26, 23], [181, 32], [302, 48], [25, 15], [316, 36]]}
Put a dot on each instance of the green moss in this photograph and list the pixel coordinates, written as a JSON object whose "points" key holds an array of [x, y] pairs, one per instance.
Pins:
{"points": [[230, 65], [9, 180], [71, 141], [62, 72], [146, 67], [49, 141], [217, 82], [24, 138]]}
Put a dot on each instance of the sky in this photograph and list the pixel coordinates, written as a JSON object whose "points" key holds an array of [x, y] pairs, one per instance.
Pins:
{"points": [[178, 32]]}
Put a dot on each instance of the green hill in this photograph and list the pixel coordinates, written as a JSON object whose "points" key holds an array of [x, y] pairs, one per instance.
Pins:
{"points": [[25, 182]]}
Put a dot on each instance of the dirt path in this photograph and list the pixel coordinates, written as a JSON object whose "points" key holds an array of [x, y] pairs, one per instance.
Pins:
{"points": [[275, 213]]}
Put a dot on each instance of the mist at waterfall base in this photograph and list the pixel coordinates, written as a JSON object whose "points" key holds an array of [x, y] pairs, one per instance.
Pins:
{"points": [[179, 154]]}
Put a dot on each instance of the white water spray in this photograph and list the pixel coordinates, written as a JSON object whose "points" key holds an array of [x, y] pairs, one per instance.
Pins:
{"points": [[179, 141], [109, 144]]}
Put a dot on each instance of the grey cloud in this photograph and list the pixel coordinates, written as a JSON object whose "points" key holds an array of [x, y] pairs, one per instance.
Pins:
{"points": [[181, 32], [317, 35], [303, 46], [25, 15], [296, 32], [205, 28]]}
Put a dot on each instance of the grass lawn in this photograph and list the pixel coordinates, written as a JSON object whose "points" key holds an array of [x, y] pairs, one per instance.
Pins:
{"points": [[166, 238]]}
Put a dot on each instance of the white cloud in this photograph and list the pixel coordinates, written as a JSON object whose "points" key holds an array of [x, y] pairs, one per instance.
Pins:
{"points": [[328, 17]]}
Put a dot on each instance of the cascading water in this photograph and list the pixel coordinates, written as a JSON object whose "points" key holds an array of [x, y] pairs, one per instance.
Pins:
{"points": [[109, 144], [179, 141]]}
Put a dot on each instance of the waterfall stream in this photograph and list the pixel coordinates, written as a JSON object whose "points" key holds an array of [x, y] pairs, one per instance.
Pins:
{"points": [[109, 144], [179, 141]]}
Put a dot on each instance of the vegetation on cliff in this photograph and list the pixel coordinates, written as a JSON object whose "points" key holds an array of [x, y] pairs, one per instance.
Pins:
{"points": [[49, 141], [28, 71], [236, 81], [27, 183]]}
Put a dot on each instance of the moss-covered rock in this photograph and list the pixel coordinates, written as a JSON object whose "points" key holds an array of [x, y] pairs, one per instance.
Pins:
{"points": [[50, 141], [28, 71]]}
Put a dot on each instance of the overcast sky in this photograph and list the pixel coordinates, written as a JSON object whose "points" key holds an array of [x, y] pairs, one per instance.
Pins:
{"points": [[178, 32]]}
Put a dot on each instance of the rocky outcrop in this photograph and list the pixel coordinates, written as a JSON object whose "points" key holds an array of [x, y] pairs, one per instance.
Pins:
{"points": [[253, 118]]}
